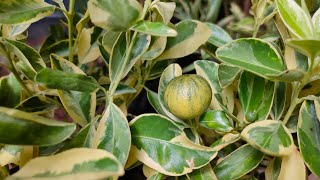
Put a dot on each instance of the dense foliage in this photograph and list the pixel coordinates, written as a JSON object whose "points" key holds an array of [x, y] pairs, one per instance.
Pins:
{"points": [[262, 68]]}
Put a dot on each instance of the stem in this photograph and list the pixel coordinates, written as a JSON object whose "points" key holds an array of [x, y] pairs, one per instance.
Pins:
{"points": [[256, 29], [194, 128], [296, 90], [70, 28], [115, 83]]}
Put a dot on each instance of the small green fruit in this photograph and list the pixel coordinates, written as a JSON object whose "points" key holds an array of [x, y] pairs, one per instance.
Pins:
{"points": [[188, 96]]}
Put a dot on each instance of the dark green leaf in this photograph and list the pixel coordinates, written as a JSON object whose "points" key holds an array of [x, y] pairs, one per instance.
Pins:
{"points": [[56, 79], [238, 163], [30, 129], [216, 120]]}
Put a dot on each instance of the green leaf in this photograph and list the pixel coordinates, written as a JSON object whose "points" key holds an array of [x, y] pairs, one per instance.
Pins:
{"points": [[216, 120], [10, 91], [114, 15], [191, 35], [226, 140], [27, 53], [227, 74], [170, 153], [256, 96], [113, 133], [238, 163], [78, 163], [269, 136], [309, 136], [55, 79], [316, 23], [308, 47], [254, 55], [30, 129], [109, 39], [122, 89], [154, 28], [204, 173], [60, 48], [13, 31], [273, 169], [88, 49], [84, 138], [296, 20], [36, 103], [219, 36], [279, 100], [10, 154], [156, 48], [79, 105], [120, 54], [209, 70], [24, 11], [153, 99]]}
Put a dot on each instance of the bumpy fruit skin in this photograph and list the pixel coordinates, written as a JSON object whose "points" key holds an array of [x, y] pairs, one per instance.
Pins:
{"points": [[188, 96]]}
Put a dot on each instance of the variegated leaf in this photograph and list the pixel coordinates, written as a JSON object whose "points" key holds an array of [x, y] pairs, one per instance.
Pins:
{"points": [[60, 48], [156, 48], [10, 91], [119, 56], [10, 154], [191, 35], [79, 105], [153, 99], [309, 136], [24, 11], [154, 28], [292, 167], [227, 74], [84, 138], [279, 100], [113, 133], [307, 47], [226, 140], [56, 79], [269, 136], [88, 49], [273, 169], [77, 163], [31, 129], [114, 15], [109, 39], [165, 10], [316, 23], [267, 63], [209, 70], [170, 153], [204, 173], [238, 163], [219, 36], [256, 96], [295, 18], [172, 71]]}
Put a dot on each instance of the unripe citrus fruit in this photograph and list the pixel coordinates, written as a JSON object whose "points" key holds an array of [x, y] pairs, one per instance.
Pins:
{"points": [[188, 96]]}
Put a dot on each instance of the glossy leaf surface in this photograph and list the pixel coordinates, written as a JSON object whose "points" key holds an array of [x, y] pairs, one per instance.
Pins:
{"points": [[309, 136], [159, 150], [78, 163], [238, 163], [269, 136]]}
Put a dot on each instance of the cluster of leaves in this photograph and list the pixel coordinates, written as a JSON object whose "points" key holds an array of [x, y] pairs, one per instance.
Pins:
{"points": [[264, 91]]}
